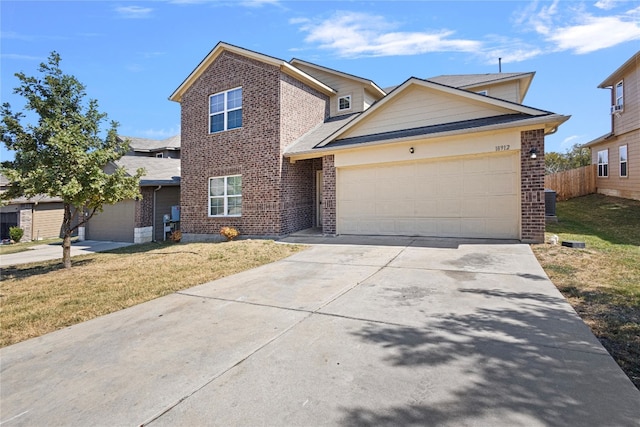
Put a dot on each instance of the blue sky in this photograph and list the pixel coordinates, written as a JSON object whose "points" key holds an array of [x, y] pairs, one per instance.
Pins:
{"points": [[132, 55]]}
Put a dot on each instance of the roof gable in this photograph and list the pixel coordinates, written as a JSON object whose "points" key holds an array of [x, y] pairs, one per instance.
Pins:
{"points": [[477, 81], [320, 70], [620, 72], [222, 47], [420, 103]]}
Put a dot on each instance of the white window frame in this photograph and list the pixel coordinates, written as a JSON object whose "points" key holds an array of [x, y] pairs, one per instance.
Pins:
{"points": [[624, 161], [225, 196], [619, 102], [225, 110], [348, 98], [603, 163]]}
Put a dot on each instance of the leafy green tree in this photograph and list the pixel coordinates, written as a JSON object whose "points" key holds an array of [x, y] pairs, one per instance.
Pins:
{"points": [[63, 155], [575, 157]]}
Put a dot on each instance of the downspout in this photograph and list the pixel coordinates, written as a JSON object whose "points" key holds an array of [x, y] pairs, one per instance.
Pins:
{"points": [[153, 222]]}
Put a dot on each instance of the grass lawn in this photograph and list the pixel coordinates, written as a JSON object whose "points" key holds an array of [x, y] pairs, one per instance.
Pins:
{"points": [[602, 281], [42, 297]]}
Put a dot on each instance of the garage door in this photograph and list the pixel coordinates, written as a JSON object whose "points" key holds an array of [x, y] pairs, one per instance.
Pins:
{"points": [[114, 223], [456, 197]]}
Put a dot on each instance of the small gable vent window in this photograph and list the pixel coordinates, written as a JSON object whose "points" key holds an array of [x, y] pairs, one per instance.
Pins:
{"points": [[225, 110], [344, 103]]}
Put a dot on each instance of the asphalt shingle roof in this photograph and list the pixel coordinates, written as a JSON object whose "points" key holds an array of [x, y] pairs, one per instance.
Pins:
{"points": [[158, 171]]}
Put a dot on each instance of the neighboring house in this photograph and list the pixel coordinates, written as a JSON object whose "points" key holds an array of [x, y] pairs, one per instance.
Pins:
{"points": [[165, 148], [617, 154], [140, 221], [40, 217], [272, 147]]}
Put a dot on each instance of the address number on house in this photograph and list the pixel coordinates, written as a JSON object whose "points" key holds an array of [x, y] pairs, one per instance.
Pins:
{"points": [[502, 147]]}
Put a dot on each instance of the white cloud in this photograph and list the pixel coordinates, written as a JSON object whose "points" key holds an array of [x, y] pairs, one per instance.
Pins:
{"points": [[259, 3], [245, 3], [134, 12], [357, 34], [608, 4], [595, 34], [575, 29], [20, 57], [570, 141]]}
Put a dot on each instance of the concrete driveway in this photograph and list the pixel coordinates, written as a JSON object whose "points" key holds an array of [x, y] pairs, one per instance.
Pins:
{"points": [[359, 332], [48, 252]]}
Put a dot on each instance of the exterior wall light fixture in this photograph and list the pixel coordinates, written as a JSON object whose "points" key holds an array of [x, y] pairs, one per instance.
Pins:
{"points": [[411, 150], [534, 153]]}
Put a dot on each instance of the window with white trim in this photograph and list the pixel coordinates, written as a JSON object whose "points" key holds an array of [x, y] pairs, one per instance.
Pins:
{"points": [[225, 110], [225, 195], [623, 161], [344, 103], [620, 94], [603, 163]]}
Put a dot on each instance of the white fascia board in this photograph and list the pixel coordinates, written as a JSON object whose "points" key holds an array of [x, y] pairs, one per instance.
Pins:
{"points": [[549, 122]]}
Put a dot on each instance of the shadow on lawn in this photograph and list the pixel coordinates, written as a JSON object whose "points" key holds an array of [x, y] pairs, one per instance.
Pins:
{"points": [[524, 366]]}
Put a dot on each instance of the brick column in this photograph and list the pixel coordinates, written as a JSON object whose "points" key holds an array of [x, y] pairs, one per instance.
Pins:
{"points": [[532, 186], [328, 195]]}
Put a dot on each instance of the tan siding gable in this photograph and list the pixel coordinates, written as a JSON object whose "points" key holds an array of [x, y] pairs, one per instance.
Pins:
{"points": [[419, 106], [508, 91], [343, 86]]}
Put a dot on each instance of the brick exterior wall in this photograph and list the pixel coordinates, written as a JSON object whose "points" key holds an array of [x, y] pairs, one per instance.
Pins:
{"points": [[298, 179], [277, 197], [532, 187], [328, 195]]}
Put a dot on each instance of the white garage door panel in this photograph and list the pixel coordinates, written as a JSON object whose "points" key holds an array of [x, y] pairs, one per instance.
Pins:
{"points": [[466, 197]]}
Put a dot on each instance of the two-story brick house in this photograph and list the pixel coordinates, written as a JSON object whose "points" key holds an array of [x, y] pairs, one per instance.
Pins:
{"points": [[617, 153], [272, 147]]}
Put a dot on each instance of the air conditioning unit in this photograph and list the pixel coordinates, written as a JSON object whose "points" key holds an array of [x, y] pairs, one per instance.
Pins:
{"points": [[616, 108]]}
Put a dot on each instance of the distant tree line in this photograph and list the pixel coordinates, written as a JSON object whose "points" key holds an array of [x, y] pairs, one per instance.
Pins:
{"points": [[575, 157]]}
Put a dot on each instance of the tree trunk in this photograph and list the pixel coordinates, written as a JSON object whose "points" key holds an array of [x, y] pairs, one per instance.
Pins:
{"points": [[66, 236], [66, 250]]}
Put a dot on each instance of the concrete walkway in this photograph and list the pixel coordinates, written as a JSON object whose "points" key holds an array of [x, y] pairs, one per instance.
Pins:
{"points": [[412, 332], [41, 253]]}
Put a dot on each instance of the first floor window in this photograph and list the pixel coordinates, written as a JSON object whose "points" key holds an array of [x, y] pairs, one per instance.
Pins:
{"points": [[225, 196], [344, 103], [225, 110], [623, 161], [603, 163]]}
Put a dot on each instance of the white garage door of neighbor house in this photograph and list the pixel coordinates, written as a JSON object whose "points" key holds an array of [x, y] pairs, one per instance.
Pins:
{"points": [[475, 197]]}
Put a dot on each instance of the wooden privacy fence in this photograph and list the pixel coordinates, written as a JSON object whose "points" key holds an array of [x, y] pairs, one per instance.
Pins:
{"points": [[572, 183]]}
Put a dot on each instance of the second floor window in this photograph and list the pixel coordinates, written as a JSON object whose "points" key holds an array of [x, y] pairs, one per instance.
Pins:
{"points": [[225, 110], [619, 94], [603, 163]]}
